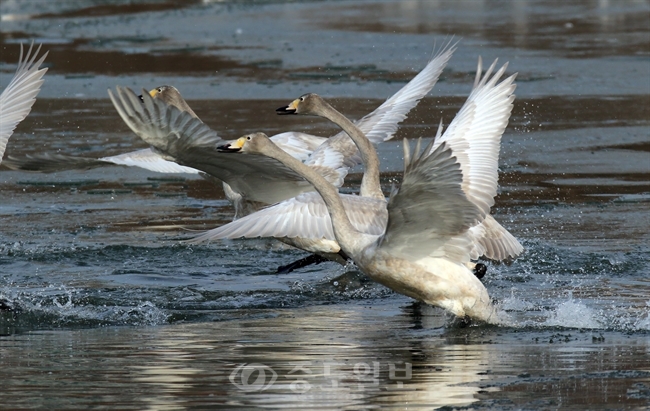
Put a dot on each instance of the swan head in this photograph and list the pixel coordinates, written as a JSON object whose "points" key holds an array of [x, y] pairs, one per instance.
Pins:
{"points": [[171, 96], [254, 143], [305, 104], [164, 92]]}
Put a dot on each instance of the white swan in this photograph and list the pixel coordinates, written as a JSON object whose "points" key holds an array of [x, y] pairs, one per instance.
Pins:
{"points": [[475, 135], [423, 251], [20, 94], [244, 188]]}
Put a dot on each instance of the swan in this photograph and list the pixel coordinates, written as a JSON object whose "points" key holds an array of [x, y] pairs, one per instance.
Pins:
{"points": [[422, 253], [244, 188], [474, 134], [20, 94], [253, 184]]}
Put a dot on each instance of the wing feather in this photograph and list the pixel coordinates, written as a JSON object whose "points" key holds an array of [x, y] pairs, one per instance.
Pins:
{"points": [[304, 216], [381, 124], [430, 208], [188, 141], [53, 162], [492, 241], [18, 97], [475, 133]]}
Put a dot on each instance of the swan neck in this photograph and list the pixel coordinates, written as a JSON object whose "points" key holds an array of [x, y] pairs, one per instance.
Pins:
{"points": [[370, 186], [344, 232]]}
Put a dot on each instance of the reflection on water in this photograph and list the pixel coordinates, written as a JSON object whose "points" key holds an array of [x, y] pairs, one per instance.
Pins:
{"points": [[293, 362], [101, 306]]}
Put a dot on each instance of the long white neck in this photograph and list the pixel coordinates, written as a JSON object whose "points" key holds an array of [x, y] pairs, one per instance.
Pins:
{"points": [[370, 186], [348, 237]]}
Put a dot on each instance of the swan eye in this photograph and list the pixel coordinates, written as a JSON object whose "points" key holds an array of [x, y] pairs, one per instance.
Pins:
{"points": [[160, 89], [248, 138], [302, 98]]}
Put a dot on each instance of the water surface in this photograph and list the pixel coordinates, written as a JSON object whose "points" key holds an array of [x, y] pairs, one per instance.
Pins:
{"points": [[105, 307]]}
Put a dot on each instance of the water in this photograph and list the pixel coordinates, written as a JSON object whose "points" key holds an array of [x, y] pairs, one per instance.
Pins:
{"points": [[106, 308]]}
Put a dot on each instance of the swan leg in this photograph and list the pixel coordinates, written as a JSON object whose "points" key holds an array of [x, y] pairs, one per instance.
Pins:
{"points": [[303, 262], [339, 257]]}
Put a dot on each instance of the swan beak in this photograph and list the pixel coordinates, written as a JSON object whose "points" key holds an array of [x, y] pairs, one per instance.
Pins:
{"points": [[290, 109], [233, 147], [152, 93]]}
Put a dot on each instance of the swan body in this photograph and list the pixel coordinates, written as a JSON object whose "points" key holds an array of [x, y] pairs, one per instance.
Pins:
{"points": [[18, 97], [419, 256]]}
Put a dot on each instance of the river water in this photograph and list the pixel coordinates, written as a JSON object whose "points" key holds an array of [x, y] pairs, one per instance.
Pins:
{"points": [[105, 308]]}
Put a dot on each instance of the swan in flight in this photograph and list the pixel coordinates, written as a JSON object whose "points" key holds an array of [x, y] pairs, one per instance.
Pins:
{"points": [[20, 94], [244, 187], [474, 134], [424, 249]]}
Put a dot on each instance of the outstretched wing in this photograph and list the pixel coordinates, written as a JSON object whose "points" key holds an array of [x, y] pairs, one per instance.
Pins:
{"points": [[161, 125], [53, 162], [430, 208], [17, 99], [187, 140], [475, 134], [381, 124], [303, 216], [149, 160]]}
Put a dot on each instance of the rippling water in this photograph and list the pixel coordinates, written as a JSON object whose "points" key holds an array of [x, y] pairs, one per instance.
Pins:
{"points": [[103, 306]]}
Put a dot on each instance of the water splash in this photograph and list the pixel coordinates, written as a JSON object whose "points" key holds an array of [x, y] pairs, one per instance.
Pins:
{"points": [[573, 314]]}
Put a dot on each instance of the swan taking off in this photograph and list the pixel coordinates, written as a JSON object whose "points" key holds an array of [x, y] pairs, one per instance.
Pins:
{"points": [[474, 135], [423, 251]]}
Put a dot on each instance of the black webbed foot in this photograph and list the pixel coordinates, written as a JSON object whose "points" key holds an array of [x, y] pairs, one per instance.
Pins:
{"points": [[480, 270]]}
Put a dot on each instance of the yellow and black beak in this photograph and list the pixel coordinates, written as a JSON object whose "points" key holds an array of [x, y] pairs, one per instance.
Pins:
{"points": [[152, 93], [233, 146], [290, 109]]}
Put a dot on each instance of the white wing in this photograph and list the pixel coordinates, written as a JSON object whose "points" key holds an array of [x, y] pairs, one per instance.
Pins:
{"points": [[304, 216], [381, 124], [149, 160], [475, 134], [53, 162], [430, 209], [492, 241], [17, 99], [298, 145]]}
